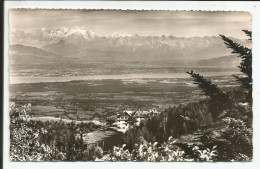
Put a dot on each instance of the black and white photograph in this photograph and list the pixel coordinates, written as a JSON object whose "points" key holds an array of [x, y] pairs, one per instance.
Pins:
{"points": [[130, 85]]}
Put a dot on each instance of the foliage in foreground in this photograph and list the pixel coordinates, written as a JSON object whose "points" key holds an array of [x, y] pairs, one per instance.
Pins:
{"points": [[234, 143], [48, 141], [24, 140], [168, 151]]}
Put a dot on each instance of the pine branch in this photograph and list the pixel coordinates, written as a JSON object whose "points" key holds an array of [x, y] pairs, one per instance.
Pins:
{"points": [[208, 88], [245, 81], [248, 33], [244, 53], [245, 65], [219, 100]]}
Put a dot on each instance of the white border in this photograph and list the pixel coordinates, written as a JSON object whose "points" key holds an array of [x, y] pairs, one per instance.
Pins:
{"points": [[254, 7]]}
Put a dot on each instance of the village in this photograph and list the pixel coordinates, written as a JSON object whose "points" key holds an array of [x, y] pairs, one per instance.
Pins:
{"points": [[121, 122], [128, 118]]}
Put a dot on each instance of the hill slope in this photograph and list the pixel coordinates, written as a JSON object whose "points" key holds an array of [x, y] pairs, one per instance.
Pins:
{"points": [[27, 55], [62, 48], [223, 61]]}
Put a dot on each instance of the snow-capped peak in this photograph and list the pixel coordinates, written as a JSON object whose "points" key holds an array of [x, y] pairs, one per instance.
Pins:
{"points": [[117, 35], [75, 32]]}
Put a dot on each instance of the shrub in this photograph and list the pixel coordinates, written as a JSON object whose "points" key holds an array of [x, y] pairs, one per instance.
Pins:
{"points": [[168, 151], [92, 152], [24, 140]]}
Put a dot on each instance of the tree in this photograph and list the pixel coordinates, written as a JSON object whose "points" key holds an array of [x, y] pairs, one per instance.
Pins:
{"points": [[92, 152], [245, 65], [25, 142], [235, 143], [219, 100], [207, 87], [184, 128]]}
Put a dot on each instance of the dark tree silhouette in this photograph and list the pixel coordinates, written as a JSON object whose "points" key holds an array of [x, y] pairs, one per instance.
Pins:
{"points": [[245, 65], [219, 100], [248, 33], [207, 87]]}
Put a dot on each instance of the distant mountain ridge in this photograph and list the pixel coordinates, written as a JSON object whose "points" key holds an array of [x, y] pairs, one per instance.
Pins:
{"points": [[86, 46], [80, 33]]}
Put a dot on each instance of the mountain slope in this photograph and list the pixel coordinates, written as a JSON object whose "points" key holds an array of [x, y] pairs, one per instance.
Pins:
{"points": [[223, 61], [62, 48], [27, 55]]}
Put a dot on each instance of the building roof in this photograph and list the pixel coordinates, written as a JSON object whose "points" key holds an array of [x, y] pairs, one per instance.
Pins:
{"points": [[123, 114], [140, 113], [129, 112]]}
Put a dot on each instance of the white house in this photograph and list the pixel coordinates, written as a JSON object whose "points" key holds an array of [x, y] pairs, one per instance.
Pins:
{"points": [[122, 121]]}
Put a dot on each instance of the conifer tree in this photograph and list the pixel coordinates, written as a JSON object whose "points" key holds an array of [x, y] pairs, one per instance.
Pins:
{"points": [[245, 65], [218, 97], [208, 88], [219, 100], [248, 33]]}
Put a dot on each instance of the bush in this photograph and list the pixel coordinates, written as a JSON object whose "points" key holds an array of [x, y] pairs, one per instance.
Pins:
{"points": [[168, 151], [92, 152], [24, 140]]}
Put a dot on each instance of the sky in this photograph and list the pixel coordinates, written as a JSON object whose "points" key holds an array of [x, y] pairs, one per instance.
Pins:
{"points": [[154, 23]]}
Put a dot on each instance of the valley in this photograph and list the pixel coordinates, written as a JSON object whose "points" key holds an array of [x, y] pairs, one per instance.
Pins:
{"points": [[100, 98]]}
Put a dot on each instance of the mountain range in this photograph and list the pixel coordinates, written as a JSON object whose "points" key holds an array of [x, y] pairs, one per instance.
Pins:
{"points": [[79, 45]]}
